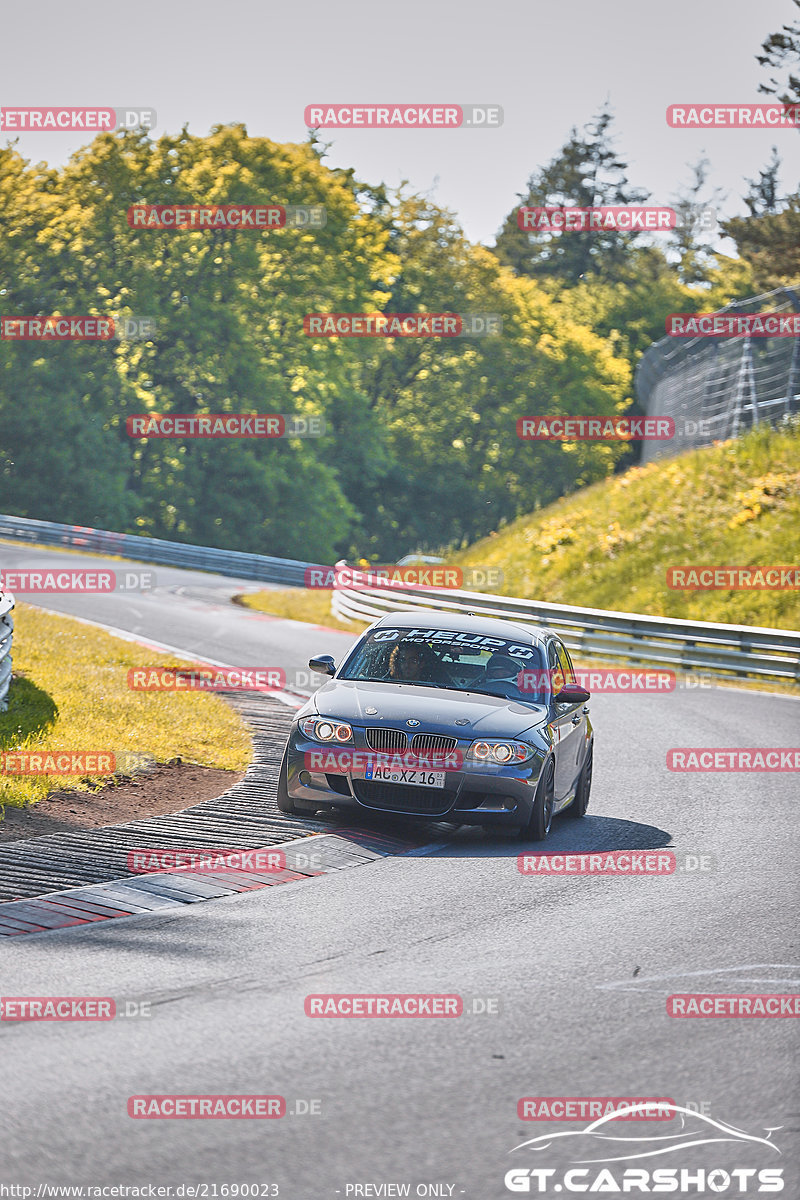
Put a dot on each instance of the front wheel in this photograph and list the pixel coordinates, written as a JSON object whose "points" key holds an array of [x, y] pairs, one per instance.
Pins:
{"points": [[581, 802], [541, 817], [285, 803]]}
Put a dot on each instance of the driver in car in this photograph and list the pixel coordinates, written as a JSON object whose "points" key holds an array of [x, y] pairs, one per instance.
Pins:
{"points": [[414, 662]]}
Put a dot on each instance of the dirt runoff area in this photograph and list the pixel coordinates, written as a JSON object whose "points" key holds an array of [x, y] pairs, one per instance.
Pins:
{"points": [[168, 788]]}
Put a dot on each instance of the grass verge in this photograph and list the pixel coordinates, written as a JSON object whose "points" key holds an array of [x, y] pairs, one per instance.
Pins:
{"points": [[298, 604], [70, 693]]}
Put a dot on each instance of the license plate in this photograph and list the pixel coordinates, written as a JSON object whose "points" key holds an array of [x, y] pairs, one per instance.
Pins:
{"points": [[433, 779]]}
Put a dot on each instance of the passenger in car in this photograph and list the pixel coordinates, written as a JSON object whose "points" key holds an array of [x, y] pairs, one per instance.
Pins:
{"points": [[414, 662]]}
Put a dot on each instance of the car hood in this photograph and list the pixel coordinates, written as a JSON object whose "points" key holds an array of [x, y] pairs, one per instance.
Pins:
{"points": [[436, 709]]}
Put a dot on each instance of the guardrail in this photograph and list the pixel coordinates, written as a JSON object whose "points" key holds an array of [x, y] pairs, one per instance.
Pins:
{"points": [[153, 550], [660, 641], [688, 645], [6, 635]]}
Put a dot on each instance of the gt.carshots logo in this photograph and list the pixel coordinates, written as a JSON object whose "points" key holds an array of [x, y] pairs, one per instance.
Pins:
{"points": [[601, 1142]]}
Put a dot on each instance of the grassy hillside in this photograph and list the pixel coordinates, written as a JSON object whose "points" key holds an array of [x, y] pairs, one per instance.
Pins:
{"points": [[735, 503]]}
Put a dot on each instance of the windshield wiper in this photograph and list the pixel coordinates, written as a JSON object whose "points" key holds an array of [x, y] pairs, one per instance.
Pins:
{"points": [[500, 696]]}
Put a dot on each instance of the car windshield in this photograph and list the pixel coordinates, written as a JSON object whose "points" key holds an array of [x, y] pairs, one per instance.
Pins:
{"points": [[465, 662]]}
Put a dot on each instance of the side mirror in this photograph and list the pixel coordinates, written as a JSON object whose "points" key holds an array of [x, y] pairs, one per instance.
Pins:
{"points": [[572, 694], [323, 664]]}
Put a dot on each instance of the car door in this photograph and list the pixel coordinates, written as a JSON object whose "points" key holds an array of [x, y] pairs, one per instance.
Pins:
{"points": [[569, 722]]}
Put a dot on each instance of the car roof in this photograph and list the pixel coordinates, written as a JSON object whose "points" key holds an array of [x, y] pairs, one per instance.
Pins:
{"points": [[466, 623]]}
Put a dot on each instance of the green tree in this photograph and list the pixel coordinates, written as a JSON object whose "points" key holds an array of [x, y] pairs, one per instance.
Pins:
{"points": [[229, 337], [781, 53], [586, 172]]}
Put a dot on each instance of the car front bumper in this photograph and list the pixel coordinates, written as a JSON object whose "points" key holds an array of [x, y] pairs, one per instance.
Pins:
{"points": [[490, 796]]}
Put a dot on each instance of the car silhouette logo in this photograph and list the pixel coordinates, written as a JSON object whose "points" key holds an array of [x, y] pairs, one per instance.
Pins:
{"points": [[696, 1129]]}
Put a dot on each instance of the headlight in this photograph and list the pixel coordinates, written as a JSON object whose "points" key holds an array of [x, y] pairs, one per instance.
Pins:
{"points": [[500, 753], [324, 730]]}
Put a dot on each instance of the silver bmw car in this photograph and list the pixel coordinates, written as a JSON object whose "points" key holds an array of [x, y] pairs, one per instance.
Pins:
{"points": [[449, 717]]}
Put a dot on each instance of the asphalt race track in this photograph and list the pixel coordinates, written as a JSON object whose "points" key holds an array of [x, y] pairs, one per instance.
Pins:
{"points": [[575, 971]]}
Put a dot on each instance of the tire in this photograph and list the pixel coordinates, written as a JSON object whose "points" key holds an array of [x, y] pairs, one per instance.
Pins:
{"points": [[580, 804], [285, 804], [541, 817]]}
